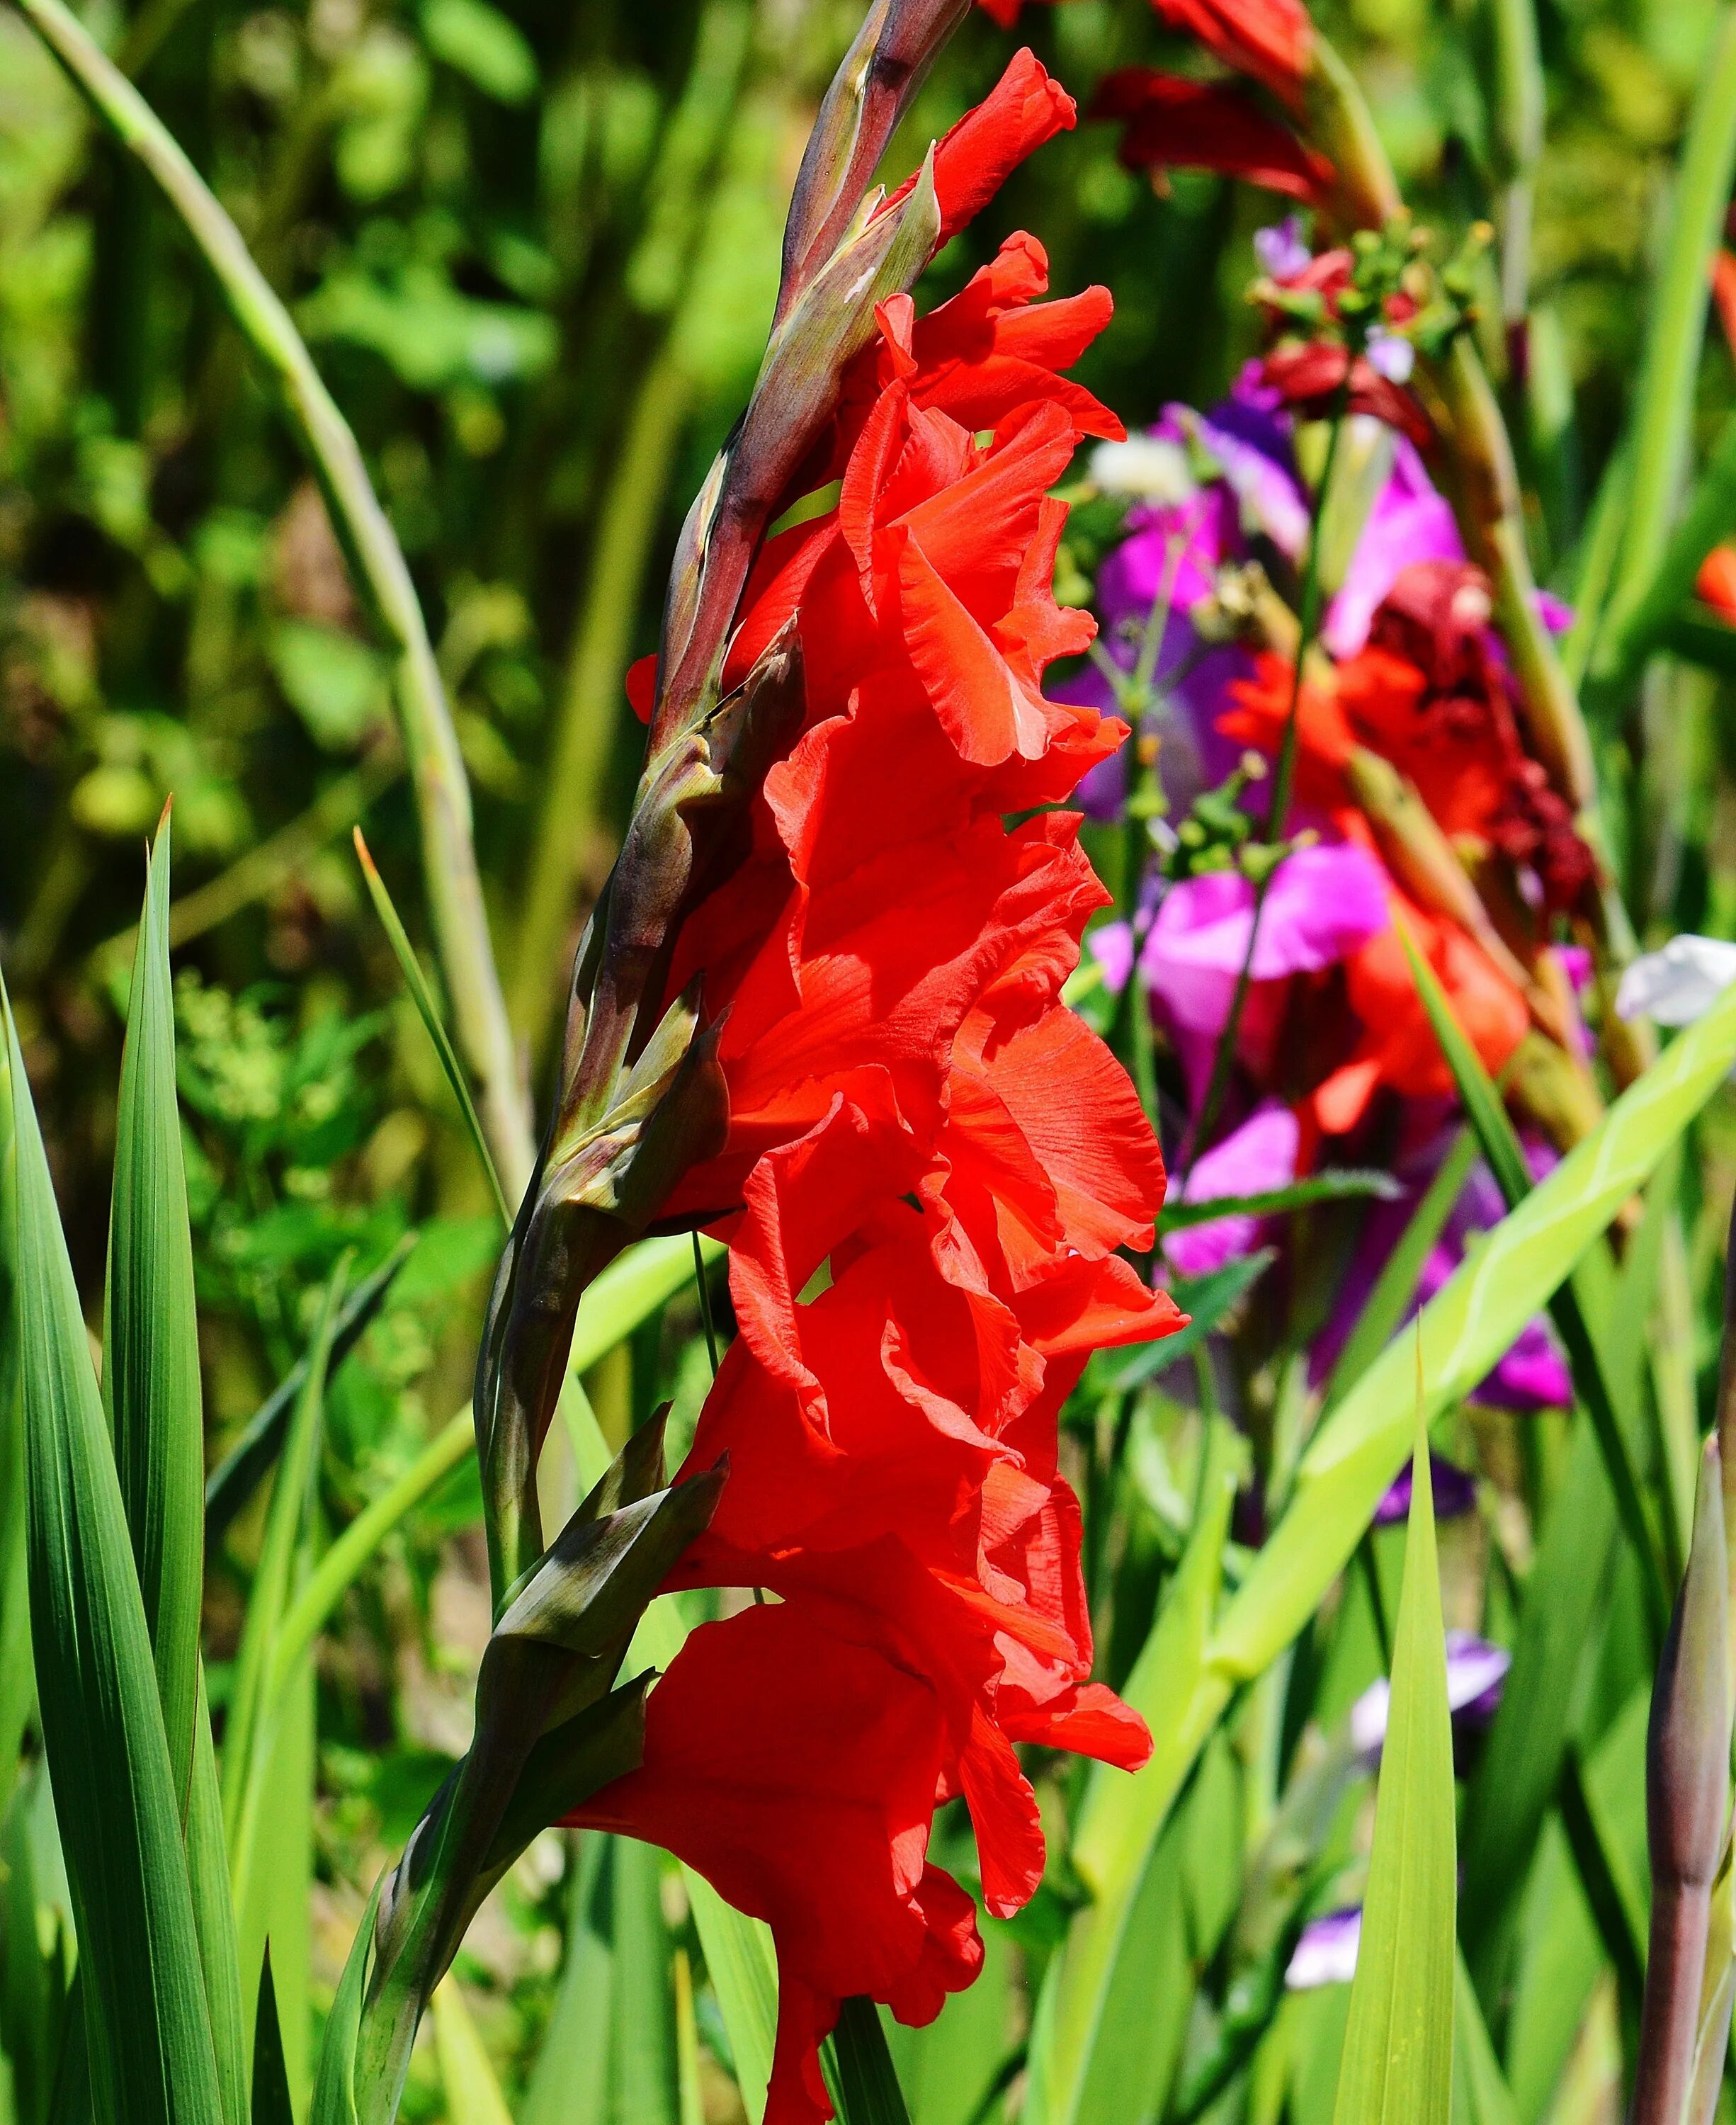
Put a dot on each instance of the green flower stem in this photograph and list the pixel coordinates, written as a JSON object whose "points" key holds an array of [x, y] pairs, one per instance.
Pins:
{"points": [[591, 698], [442, 790], [1662, 432], [1490, 511], [1519, 119]]}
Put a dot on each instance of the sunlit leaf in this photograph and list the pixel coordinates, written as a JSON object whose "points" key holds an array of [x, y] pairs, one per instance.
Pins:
{"points": [[115, 1789], [1397, 2065]]}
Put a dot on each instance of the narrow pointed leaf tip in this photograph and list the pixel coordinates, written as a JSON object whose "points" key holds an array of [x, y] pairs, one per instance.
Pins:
{"points": [[114, 1790], [422, 996]]}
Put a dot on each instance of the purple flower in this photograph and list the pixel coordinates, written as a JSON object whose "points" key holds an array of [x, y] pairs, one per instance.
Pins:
{"points": [[1280, 249], [1475, 1671], [1322, 904], [1454, 1493], [1410, 521], [1533, 1374], [1326, 1954], [1252, 1160], [1391, 354]]}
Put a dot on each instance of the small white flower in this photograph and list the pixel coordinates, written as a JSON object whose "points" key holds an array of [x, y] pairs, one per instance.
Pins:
{"points": [[1391, 355], [1326, 1954], [1149, 468], [1679, 984]]}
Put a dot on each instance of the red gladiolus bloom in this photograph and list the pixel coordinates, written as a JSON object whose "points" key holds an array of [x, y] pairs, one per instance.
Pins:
{"points": [[1269, 39], [924, 1237], [1171, 123]]}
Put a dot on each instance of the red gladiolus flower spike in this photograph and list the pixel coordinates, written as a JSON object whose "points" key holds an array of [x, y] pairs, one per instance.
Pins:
{"points": [[924, 1240]]}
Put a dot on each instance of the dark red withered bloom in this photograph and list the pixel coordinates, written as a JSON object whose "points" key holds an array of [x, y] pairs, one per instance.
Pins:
{"points": [[1172, 123], [1320, 377], [926, 1244]]}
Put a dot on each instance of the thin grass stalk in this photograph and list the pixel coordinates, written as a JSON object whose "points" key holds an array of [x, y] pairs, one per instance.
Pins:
{"points": [[1519, 121], [442, 789], [1277, 814]]}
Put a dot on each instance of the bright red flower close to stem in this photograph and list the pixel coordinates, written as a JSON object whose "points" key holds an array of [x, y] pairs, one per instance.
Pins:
{"points": [[931, 1167]]}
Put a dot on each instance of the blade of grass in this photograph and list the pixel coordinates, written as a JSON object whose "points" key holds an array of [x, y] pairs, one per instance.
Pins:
{"points": [[437, 768], [271, 2104], [234, 1479], [17, 1683], [1481, 2093], [473, 2088], [1397, 2065], [151, 1393], [643, 2066], [429, 1011], [1347, 1469], [859, 2069], [150, 1362], [1506, 1159], [1520, 1767], [1337, 1184], [334, 2090], [1396, 1285], [115, 1789], [255, 1668], [269, 1743], [569, 2079]]}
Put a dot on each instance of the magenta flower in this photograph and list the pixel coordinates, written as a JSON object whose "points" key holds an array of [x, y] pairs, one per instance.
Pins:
{"points": [[1323, 903], [1252, 1160], [1410, 521]]}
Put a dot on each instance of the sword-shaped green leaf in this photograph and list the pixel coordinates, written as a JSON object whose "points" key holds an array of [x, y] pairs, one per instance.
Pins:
{"points": [[153, 2061], [150, 1359], [1352, 1459], [1397, 2065], [271, 2104], [151, 1391]]}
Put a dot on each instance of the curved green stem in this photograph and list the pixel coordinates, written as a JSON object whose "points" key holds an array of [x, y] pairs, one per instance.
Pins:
{"points": [[442, 789]]}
